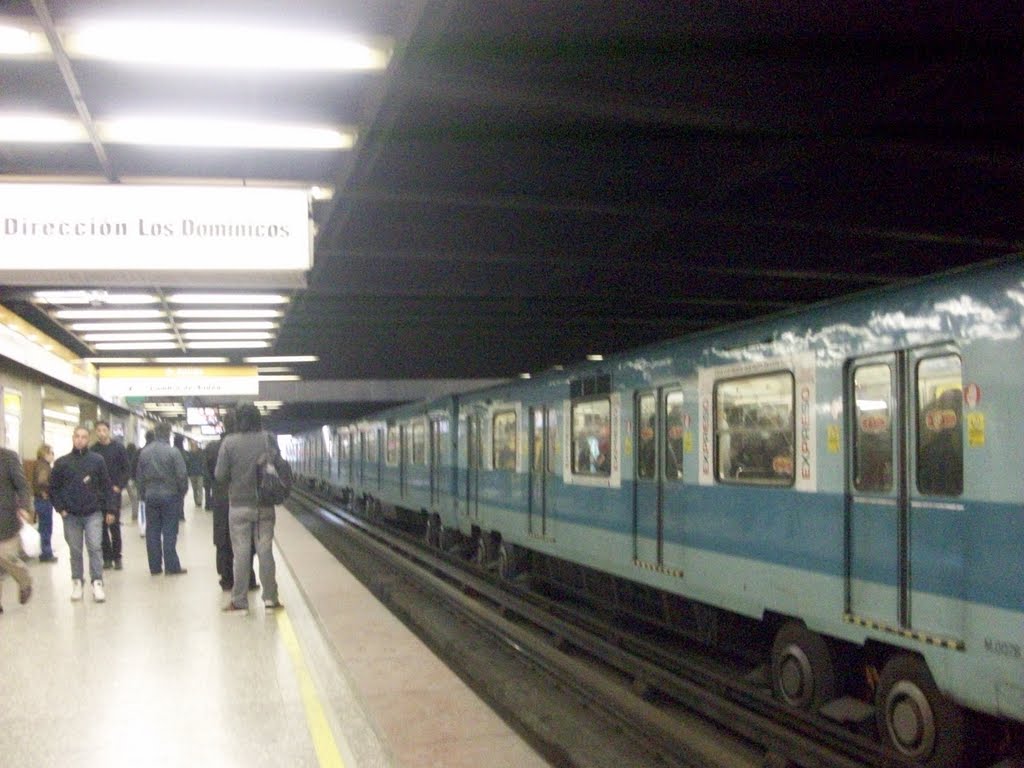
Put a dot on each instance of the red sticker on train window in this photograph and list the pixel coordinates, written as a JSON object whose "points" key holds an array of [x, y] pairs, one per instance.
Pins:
{"points": [[939, 420]]}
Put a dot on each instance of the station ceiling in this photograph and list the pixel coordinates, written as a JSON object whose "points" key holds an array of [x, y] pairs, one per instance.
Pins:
{"points": [[533, 182]]}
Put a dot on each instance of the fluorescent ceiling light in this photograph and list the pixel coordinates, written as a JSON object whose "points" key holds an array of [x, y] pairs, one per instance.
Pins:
{"points": [[228, 313], [164, 407], [269, 405], [41, 129], [274, 369], [18, 41], [226, 344], [94, 297], [224, 46], [227, 298], [115, 360], [281, 377], [191, 360], [136, 345], [150, 326], [211, 335], [91, 337], [595, 358], [107, 314], [283, 359], [229, 325], [176, 131]]}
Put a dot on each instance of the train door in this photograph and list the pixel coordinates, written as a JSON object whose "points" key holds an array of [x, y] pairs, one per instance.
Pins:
{"points": [[906, 472], [658, 437], [474, 462], [648, 489], [543, 440], [436, 470], [403, 460]]}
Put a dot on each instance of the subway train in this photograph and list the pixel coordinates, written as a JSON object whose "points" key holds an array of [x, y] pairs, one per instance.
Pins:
{"points": [[844, 481]]}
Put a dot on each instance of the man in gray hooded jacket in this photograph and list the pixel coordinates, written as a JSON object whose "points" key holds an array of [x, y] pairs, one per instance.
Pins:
{"points": [[163, 482]]}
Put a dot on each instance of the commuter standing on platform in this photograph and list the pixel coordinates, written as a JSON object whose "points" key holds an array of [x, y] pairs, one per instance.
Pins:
{"points": [[179, 446], [132, 451], [163, 482], [44, 507], [13, 513], [79, 489], [116, 457], [219, 505], [150, 437], [247, 520], [195, 461]]}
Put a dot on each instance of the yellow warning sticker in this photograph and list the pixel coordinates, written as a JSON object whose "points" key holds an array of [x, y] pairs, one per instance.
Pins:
{"points": [[976, 429]]}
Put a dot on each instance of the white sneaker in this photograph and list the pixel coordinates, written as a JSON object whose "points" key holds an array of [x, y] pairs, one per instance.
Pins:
{"points": [[97, 591], [76, 589]]}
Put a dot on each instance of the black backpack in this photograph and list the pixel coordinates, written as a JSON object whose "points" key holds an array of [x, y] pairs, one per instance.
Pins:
{"points": [[273, 476]]}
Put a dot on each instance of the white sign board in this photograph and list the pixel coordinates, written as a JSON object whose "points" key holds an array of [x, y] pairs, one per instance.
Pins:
{"points": [[49, 229], [171, 381]]}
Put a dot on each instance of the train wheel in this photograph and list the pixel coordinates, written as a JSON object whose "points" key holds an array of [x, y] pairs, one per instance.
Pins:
{"points": [[803, 672], [509, 561], [484, 553], [914, 718], [432, 534]]}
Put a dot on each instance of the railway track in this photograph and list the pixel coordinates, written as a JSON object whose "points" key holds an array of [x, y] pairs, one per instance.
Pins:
{"points": [[611, 697]]}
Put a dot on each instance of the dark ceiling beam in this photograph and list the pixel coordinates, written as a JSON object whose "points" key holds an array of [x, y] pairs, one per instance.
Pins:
{"points": [[522, 203], [60, 56]]}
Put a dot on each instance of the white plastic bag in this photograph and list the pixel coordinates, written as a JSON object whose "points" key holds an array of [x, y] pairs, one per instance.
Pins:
{"points": [[31, 544]]}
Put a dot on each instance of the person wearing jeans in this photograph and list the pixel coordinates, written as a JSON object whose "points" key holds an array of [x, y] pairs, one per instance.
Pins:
{"points": [[163, 483], [42, 503], [79, 489]]}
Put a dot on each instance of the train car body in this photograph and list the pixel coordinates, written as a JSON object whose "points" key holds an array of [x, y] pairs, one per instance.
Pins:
{"points": [[855, 467]]}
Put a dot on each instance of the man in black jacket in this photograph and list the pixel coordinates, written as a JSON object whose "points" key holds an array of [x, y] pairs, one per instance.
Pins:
{"points": [[116, 458], [13, 510], [79, 489]]}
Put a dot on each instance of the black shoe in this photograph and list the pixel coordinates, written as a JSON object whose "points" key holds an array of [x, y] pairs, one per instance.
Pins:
{"points": [[253, 586], [108, 564], [48, 559], [24, 594], [227, 586], [178, 572], [118, 566]]}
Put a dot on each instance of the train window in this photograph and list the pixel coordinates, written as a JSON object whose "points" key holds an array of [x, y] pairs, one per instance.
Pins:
{"points": [[646, 439], [940, 435], [674, 435], [591, 437], [372, 454], [503, 435], [419, 443], [754, 435], [554, 446], [392, 446], [872, 431], [537, 440], [346, 445]]}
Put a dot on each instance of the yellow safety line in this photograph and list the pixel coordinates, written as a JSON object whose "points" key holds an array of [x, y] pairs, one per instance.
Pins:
{"points": [[319, 729]]}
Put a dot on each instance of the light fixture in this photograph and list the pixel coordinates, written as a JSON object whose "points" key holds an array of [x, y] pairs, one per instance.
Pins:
{"points": [[227, 298], [283, 359], [236, 335], [17, 41], [177, 131], [112, 345], [275, 369], [150, 326], [41, 129], [595, 358], [191, 360], [227, 313], [280, 377], [91, 337], [223, 46], [93, 297], [115, 360], [226, 344], [228, 325], [107, 314]]}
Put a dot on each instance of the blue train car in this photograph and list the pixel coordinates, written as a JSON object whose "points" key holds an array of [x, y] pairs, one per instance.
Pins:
{"points": [[848, 476]]}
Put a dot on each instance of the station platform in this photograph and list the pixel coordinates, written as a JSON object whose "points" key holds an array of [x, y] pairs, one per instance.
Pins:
{"points": [[159, 676]]}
